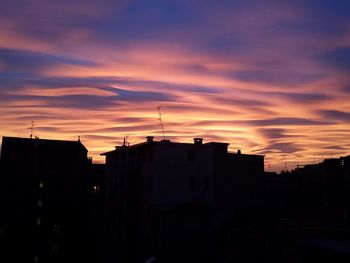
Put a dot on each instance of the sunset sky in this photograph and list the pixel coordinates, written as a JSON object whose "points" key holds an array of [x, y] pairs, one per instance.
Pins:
{"points": [[268, 77]]}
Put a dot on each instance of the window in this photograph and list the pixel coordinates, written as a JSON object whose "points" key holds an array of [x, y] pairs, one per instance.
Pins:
{"points": [[40, 203], [56, 228], [206, 184], [38, 221], [150, 183], [54, 248], [142, 183], [41, 184], [150, 155], [190, 155], [191, 183], [96, 189]]}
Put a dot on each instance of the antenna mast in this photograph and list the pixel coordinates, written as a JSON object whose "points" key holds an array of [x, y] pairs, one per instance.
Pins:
{"points": [[125, 141], [161, 122], [31, 130]]}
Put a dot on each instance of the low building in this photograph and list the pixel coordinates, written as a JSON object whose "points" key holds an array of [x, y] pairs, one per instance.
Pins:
{"points": [[325, 188]]}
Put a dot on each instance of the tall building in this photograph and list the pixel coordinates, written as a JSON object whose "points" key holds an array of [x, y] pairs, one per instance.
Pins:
{"points": [[47, 199], [168, 200]]}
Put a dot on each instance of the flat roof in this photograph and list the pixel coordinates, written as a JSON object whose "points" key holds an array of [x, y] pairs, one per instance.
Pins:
{"points": [[52, 142]]}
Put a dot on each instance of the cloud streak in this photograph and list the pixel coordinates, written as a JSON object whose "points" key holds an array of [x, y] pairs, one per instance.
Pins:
{"points": [[269, 78]]}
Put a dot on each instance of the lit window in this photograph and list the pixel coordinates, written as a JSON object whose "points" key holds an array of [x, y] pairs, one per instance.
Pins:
{"points": [[36, 259], [54, 248], [38, 221], [40, 203], [41, 184], [56, 228], [96, 189]]}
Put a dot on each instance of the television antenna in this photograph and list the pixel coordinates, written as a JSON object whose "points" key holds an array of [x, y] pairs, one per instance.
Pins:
{"points": [[125, 141], [161, 122], [31, 130]]}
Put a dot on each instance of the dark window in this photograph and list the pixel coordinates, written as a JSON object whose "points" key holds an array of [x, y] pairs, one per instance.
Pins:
{"points": [[150, 183], [190, 155], [142, 156], [142, 183], [206, 183], [192, 183], [150, 155]]}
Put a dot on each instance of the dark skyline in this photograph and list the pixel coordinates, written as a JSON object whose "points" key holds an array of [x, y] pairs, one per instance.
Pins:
{"points": [[268, 77], [163, 201]]}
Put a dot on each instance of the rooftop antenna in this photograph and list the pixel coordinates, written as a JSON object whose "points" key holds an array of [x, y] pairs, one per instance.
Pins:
{"points": [[161, 122], [31, 129], [285, 166], [125, 141]]}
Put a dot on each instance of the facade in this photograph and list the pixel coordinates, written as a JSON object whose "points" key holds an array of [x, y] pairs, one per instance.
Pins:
{"points": [[47, 200], [326, 187], [303, 216], [168, 200]]}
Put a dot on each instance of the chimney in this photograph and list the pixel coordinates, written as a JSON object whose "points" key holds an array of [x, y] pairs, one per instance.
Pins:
{"points": [[150, 138], [239, 152], [198, 140]]}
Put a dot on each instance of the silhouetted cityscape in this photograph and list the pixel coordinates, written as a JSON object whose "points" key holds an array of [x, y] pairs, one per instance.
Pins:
{"points": [[165, 201], [187, 131]]}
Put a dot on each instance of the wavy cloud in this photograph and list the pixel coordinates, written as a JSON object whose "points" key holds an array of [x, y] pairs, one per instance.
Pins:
{"points": [[267, 77]]}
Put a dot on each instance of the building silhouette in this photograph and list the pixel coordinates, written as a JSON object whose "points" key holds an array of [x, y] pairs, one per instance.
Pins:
{"points": [[326, 186], [49, 199], [162, 201], [168, 200]]}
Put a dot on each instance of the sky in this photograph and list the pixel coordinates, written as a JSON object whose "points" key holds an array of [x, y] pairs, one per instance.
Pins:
{"points": [[268, 77]]}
